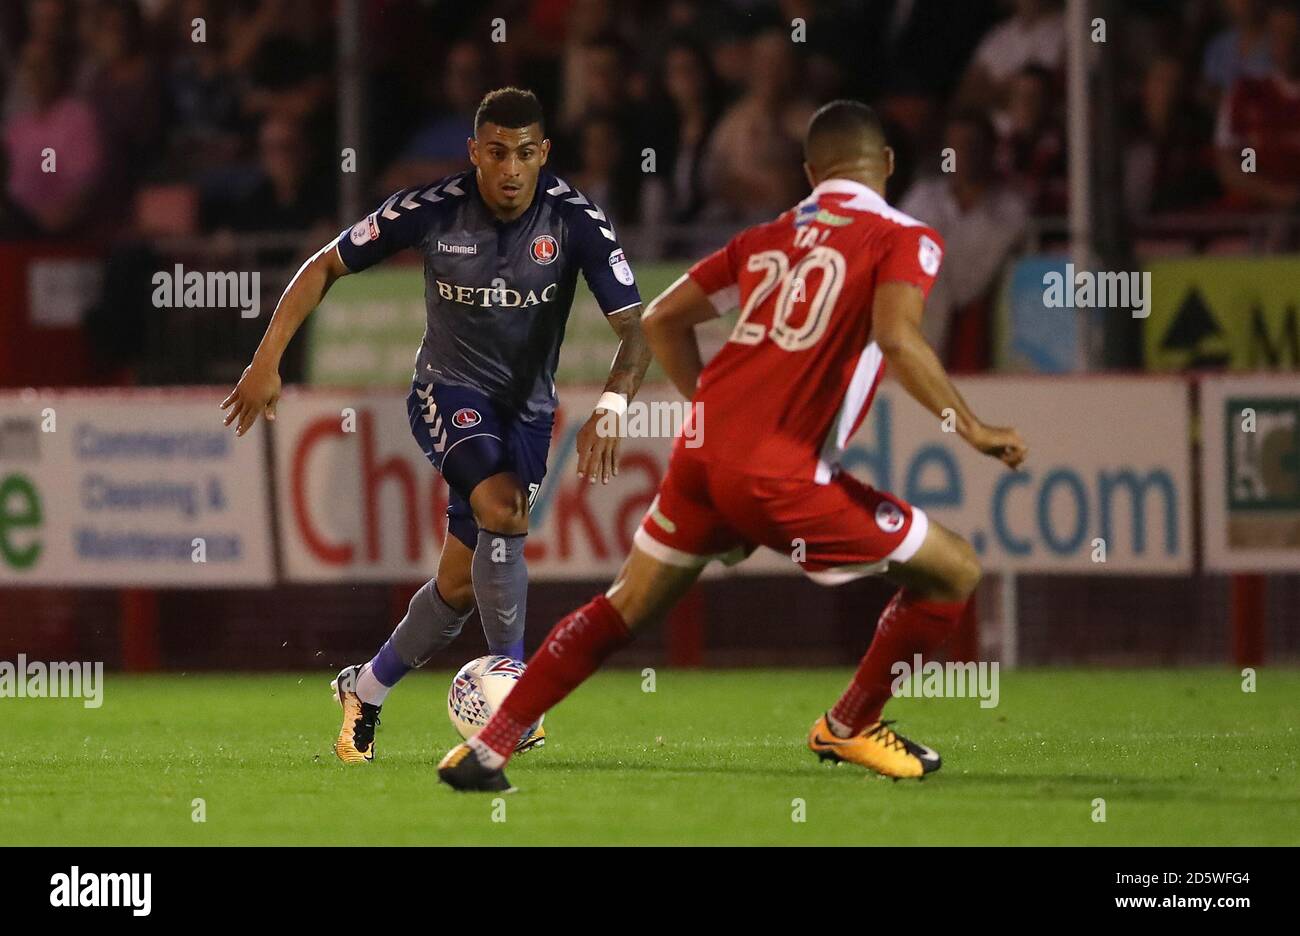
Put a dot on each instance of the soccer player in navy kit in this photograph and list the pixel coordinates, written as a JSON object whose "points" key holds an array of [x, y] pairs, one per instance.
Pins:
{"points": [[502, 246]]}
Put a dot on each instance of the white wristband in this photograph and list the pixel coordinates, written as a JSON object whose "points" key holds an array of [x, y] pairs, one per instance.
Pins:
{"points": [[613, 402]]}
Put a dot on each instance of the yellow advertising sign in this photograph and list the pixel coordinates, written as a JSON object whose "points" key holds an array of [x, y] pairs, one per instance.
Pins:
{"points": [[1234, 313]]}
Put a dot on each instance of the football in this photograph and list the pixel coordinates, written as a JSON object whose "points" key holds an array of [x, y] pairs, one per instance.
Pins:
{"points": [[478, 689]]}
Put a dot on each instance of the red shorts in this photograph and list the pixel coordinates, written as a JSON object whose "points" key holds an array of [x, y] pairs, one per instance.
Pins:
{"points": [[841, 531]]}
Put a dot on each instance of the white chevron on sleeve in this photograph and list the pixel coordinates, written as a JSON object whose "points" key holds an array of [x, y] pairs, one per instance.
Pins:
{"points": [[387, 210], [453, 189], [595, 212], [409, 202]]}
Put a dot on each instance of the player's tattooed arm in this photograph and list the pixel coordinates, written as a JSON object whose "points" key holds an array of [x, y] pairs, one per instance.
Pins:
{"points": [[633, 357], [258, 389], [597, 444], [896, 329]]}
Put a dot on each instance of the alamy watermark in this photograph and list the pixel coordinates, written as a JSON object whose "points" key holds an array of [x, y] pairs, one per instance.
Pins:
{"points": [[658, 419], [77, 888], [59, 680], [191, 289], [935, 680], [1086, 289]]}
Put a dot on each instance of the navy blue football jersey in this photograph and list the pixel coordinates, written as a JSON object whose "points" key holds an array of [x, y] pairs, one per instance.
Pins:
{"points": [[497, 293]]}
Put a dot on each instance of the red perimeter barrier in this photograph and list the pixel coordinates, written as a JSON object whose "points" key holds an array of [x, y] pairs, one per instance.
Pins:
{"points": [[139, 630], [35, 352], [1248, 605]]}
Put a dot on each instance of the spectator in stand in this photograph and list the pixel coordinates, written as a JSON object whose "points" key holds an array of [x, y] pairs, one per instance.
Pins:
{"points": [[1263, 114], [1034, 35], [920, 47], [589, 21], [691, 91], [54, 126], [1031, 142], [607, 91], [729, 55], [674, 21], [123, 87], [283, 48], [982, 221], [1169, 165], [1240, 51], [201, 94], [602, 174], [833, 37], [438, 148], [755, 158], [14, 226], [285, 194], [49, 23], [606, 68]]}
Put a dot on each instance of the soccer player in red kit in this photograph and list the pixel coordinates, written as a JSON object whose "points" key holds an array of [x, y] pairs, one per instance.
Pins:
{"points": [[829, 292]]}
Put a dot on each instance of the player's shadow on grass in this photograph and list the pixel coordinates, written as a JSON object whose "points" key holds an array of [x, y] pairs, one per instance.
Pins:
{"points": [[1075, 785], [658, 767], [811, 767], [1057, 786]]}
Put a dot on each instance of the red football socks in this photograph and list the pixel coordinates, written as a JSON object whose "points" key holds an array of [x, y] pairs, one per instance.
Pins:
{"points": [[908, 626], [572, 651]]}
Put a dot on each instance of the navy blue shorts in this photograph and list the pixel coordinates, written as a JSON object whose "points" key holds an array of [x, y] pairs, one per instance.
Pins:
{"points": [[468, 438]]}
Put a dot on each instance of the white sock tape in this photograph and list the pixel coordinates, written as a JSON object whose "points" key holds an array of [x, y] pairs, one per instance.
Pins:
{"points": [[613, 402]]}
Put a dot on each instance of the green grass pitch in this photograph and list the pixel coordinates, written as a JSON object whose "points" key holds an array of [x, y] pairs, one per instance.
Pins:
{"points": [[709, 758]]}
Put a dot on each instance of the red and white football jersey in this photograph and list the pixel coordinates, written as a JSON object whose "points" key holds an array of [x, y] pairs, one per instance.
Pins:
{"points": [[797, 375]]}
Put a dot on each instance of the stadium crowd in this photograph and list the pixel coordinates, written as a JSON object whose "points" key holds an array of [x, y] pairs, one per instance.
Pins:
{"points": [[670, 113]]}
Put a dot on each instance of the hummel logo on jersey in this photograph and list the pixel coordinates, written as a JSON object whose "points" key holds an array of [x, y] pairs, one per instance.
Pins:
{"points": [[490, 297], [468, 250]]}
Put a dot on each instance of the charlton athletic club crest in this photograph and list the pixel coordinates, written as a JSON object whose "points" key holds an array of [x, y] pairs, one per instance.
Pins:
{"points": [[545, 249], [464, 418]]}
